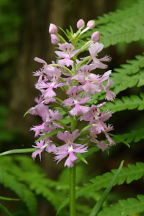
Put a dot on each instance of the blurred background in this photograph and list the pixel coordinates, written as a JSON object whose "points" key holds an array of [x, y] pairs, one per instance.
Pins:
{"points": [[24, 35]]}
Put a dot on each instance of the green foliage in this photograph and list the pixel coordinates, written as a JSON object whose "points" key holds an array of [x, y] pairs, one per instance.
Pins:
{"points": [[21, 190], [127, 175], [99, 204], [121, 25], [126, 207], [25, 178], [129, 75], [130, 103], [133, 136]]}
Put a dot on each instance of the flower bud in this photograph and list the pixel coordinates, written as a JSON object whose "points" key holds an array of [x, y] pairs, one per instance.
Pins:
{"points": [[54, 39], [53, 29], [80, 23], [95, 36], [91, 24]]}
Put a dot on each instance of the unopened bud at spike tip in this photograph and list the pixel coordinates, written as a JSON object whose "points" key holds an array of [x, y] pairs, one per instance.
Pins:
{"points": [[91, 24], [95, 36], [54, 39], [80, 24], [53, 29]]}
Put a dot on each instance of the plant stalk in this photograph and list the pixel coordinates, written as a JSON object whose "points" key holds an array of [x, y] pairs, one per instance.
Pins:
{"points": [[72, 190]]}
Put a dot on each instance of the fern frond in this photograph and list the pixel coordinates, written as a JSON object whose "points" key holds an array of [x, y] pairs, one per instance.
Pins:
{"points": [[130, 103], [132, 136], [127, 174], [32, 176], [120, 14], [121, 26], [129, 75], [124, 81], [20, 189], [126, 207]]}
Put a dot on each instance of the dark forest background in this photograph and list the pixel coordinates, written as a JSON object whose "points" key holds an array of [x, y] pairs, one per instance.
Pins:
{"points": [[24, 35]]}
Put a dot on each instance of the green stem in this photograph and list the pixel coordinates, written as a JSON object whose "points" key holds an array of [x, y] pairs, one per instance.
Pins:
{"points": [[72, 191]]}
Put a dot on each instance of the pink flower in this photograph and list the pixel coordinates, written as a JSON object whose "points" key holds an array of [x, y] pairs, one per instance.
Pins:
{"points": [[54, 39], [100, 144], [110, 95], [43, 145], [95, 36], [94, 49], [68, 52], [41, 110], [80, 24], [91, 24], [76, 101], [69, 148], [53, 29], [47, 87]]}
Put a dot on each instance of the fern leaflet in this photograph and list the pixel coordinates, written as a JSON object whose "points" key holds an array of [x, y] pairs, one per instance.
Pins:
{"points": [[130, 103], [127, 174], [121, 26], [126, 207], [20, 189]]}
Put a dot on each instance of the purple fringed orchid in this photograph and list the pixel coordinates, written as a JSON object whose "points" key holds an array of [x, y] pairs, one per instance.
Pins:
{"points": [[66, 88]]}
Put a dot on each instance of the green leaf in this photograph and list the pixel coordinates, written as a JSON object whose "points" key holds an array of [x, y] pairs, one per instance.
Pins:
{"points": [[27, 112], [26, 172], [99, 204], [127, 174], [126, 103], [126, 207], [132, 136], [20, 189], [17, 151], [82, 158], [121, 26], [8, 198]]}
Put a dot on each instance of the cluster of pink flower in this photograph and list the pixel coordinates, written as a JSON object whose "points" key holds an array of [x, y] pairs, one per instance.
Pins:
{"points": [[72, 76]]}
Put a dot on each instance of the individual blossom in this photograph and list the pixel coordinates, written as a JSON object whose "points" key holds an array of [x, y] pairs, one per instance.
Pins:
{"points": [[47, 86], [97, 120], [100, 144], [67, 52], [40, 72], [91, 24], [69, 148], [53, 29], [40, 109], [94, 49], [95, 36], [110, 95], [76, 100], [80, 24], [54, 39], [43, 145]]}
